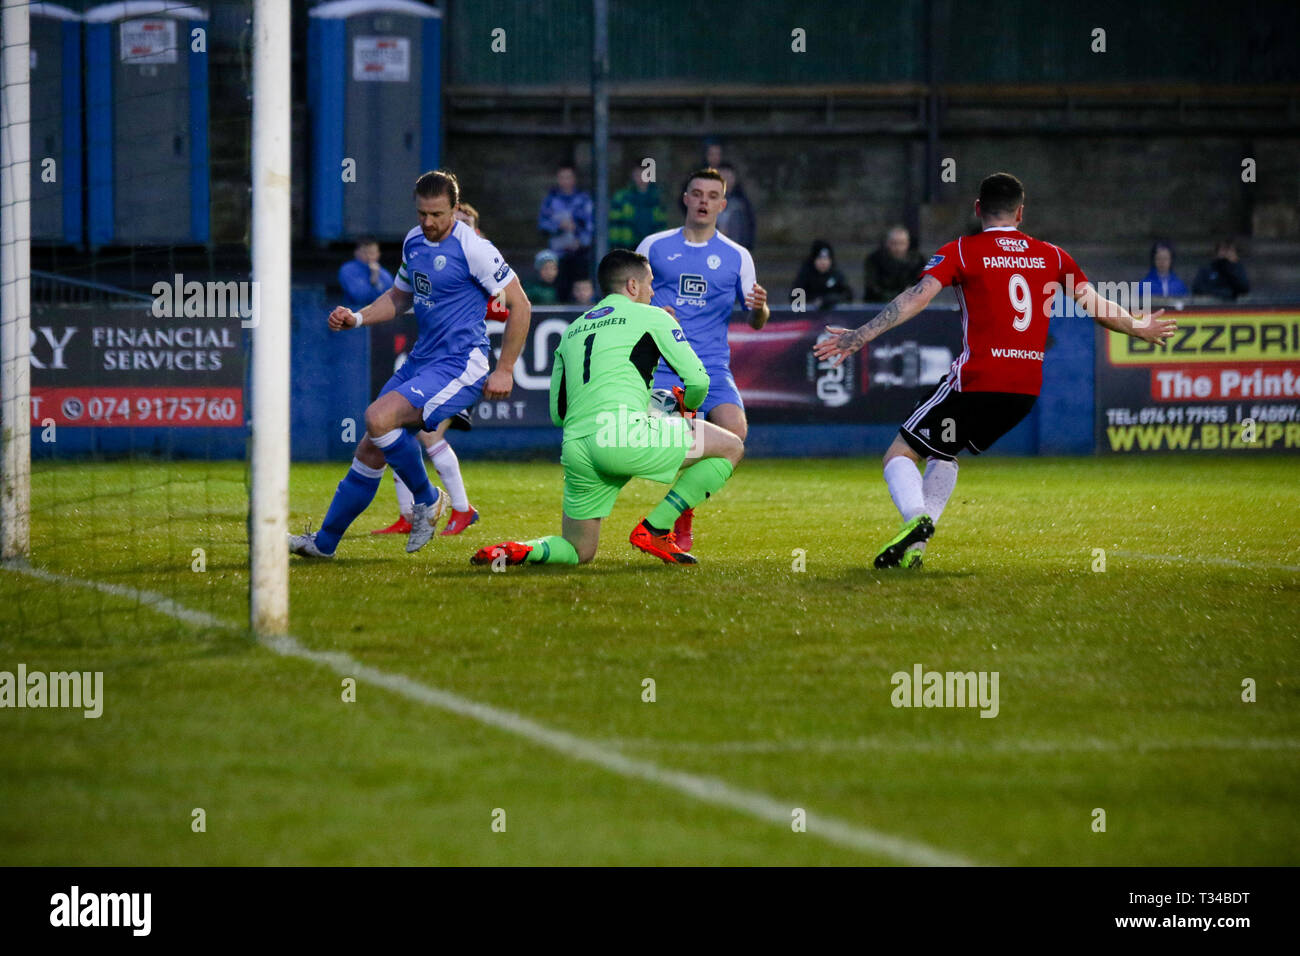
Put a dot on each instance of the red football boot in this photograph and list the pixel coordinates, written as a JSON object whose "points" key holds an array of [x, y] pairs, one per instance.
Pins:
{"points": [[513, 551], [664, 547], [682, 529], [400, 526], [460, 520]]}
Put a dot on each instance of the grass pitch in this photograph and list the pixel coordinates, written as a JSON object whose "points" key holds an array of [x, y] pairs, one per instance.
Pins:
{"points": [[1120, 690]]}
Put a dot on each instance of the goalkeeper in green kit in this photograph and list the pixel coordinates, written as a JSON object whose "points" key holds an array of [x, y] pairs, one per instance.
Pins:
{"points": [[600, 393]]}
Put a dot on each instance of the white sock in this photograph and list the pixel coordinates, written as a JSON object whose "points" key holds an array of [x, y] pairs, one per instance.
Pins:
{"points": [[404, 497], [937, 485], [447, 465], [939, 481], [904, 481]]}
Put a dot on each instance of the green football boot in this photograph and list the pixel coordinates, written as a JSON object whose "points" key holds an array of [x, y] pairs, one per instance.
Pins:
{"points": [[912, 559], [920, 528]]}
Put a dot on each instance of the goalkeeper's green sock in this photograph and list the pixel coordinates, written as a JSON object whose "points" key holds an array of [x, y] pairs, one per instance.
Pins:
{"points": [[693, 485], [552, 550]]}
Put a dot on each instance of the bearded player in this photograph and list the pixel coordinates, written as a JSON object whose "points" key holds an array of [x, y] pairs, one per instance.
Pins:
{"points": [[1005, 283], [446, 272], [436, 446], [701, 274]]}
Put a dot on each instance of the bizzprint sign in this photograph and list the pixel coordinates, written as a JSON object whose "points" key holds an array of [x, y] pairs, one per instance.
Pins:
{"points": [[1228, 380]]}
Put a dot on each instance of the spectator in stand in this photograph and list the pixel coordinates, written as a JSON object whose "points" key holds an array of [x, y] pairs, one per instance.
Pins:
{"points": [[565, 219], [736, 222], [823, 285], [712, 160], [584, 293], [543, 291], [893, 267], [1224, 277], [1161, 281], [362, 277], [634, 212]]}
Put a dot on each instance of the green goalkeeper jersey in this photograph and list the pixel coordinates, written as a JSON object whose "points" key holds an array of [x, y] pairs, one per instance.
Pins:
{"points": [[607, 359]]}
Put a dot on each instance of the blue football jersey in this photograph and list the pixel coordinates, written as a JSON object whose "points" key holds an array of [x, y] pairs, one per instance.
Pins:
{"points": [[451, 281], [702, 281]]}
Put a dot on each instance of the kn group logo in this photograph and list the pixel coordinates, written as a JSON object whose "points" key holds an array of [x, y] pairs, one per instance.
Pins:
{"points": [[1013, 245], [422, 284], [692, 286]]}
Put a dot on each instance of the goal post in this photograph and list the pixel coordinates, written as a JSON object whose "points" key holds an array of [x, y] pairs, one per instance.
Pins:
{"points": [[269, 480], [15, 281]]}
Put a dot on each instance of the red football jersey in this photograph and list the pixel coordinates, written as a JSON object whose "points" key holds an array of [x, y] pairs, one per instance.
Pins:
{"points": [[1005, 282]]}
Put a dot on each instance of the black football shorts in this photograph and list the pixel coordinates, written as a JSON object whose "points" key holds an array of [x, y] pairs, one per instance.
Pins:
{"points": [[947, 421]]}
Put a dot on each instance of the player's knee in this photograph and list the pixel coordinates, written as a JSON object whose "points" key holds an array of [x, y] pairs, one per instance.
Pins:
{"points": [[586, 553], [378, 421], [884, 462], [735, 450], [900, 449]]}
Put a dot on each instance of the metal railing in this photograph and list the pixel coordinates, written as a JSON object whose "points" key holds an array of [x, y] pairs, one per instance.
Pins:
{"points": [[50, 288]]}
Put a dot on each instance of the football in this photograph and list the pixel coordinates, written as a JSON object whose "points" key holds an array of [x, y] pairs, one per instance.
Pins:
{"points": [[663, 403]]}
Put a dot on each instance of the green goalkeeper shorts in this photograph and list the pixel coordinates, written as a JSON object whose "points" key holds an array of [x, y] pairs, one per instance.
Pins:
{"points": [[598, 466]]}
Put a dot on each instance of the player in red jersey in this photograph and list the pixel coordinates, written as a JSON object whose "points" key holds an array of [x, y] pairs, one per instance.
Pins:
{"points": [[1005, 283]]}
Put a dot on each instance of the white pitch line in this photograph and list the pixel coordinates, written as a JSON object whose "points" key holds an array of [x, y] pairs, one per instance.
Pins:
{"points": [[705, 789], [1221, 562]]}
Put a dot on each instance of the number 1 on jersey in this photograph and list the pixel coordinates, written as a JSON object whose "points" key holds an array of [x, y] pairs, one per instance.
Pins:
{"points": [[1018, 290], [587, 343]]}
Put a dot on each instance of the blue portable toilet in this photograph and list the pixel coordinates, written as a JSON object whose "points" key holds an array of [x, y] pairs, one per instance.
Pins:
{"points": [[374, 88], [147, 123], [56, 123]]}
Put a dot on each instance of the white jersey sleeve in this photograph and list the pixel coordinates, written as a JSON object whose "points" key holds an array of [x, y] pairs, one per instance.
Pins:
{"points": [[486, 264], [746, 276], [646, 243]]}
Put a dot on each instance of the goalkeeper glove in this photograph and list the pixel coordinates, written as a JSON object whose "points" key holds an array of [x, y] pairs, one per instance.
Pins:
{"points": [[680, 394]]}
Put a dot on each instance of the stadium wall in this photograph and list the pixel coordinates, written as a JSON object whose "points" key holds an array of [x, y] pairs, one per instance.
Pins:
{"points": [[1084, 192], [1021, 41]]}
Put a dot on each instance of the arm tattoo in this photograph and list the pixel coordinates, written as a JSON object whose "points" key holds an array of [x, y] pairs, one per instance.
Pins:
{"points": [[854, 339]]}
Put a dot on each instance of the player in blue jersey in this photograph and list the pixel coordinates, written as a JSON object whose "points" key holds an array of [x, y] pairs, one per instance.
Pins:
{"points": [[699, 275], [446, 271], [436, 446]]}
